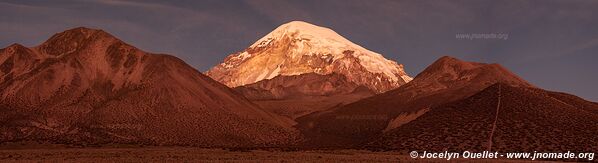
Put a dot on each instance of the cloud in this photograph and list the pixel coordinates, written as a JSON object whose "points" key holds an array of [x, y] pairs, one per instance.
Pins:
{"points": [[579, 47], [129, 3], [22, 6], [144, 5]]}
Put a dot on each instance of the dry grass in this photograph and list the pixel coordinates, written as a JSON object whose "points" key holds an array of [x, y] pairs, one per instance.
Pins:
{"points": [[182, 154]]}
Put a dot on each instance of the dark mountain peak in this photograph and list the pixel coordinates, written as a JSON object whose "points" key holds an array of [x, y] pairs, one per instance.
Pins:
{"points": [[449, 69], [79, 33], [14, 48], [74, 39], [81, 30], [15, 45], [447, 58], [447, 63]]}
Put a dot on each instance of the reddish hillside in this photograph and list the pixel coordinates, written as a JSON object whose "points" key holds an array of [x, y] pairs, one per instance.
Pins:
{"points": [[85, 86], [500, 118], [446, 80]]}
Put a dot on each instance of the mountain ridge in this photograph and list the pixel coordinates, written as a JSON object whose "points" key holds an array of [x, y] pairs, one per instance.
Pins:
{"points": [[86, 86]]}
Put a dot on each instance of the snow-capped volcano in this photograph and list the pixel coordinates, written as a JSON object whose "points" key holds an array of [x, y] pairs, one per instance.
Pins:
{"points": [[297, 48]]}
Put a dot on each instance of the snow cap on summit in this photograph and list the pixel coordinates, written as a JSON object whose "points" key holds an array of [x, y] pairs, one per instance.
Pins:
{"points": [[299, 47]]}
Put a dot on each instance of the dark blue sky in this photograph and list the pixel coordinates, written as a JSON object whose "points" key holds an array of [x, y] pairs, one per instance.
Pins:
{"points": [[552, 43]]}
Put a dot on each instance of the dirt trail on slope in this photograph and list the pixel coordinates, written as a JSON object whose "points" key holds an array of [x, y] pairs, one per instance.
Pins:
{"points": [[495, 120]]}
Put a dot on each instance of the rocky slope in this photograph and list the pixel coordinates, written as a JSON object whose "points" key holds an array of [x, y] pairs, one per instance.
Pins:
{"points": [[85, 86], [298, 95], [298, 86], [500, 118], [297, 48]]}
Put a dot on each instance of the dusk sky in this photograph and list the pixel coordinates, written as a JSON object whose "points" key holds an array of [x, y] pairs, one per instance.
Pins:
{"points": [[551, 43]]}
